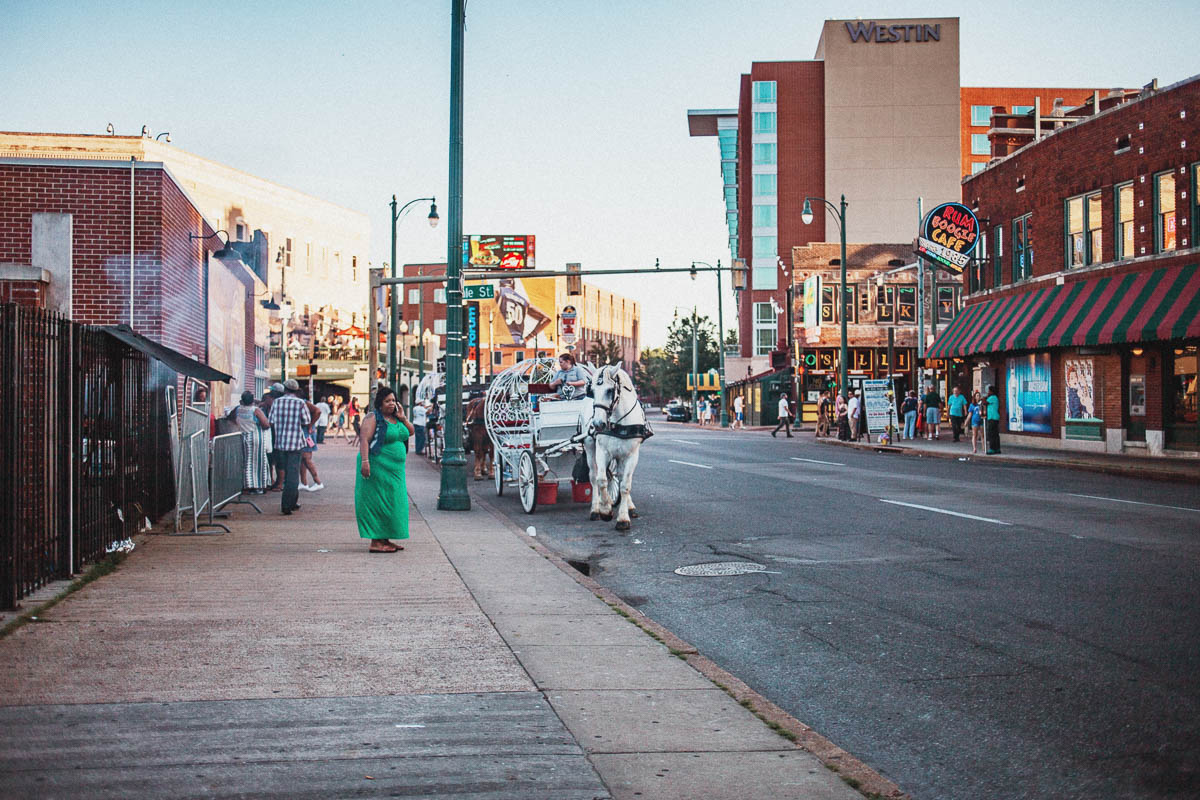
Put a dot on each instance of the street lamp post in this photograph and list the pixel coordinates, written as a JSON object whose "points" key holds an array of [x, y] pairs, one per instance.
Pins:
{"points": [[720, 341], [807, 216], [393, 363]]}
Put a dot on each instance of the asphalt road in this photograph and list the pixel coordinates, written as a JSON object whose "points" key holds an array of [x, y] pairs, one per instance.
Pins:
{"points": [[1041, 641]]}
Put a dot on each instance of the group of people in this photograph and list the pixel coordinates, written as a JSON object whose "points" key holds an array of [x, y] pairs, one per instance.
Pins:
{"points": [[708, 409], [848, 414], [280, 434], [980, 414]]}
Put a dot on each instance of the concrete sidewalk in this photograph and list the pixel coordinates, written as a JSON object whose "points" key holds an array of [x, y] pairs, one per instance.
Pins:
{"points": [[283, 660]]}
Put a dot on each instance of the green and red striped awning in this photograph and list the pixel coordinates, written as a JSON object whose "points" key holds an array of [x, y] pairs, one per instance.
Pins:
{"points": [[1135, 307]]}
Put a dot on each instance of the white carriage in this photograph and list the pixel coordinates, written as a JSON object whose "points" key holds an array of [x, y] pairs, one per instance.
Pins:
{"points": [[535, 436]]}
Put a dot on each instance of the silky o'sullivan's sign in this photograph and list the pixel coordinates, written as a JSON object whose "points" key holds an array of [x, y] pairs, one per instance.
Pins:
{"points": [[949, 235]]}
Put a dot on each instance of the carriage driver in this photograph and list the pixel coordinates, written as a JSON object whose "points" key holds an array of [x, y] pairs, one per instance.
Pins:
{"points": [[569, 380]]}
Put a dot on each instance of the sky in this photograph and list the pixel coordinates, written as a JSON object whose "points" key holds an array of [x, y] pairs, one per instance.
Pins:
{"points": [[575, 112]]}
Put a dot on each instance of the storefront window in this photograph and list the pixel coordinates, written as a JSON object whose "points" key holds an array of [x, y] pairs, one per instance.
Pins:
{"points": [[1183, 422], [1028, 388], [1124, 214], [1164, 212]]}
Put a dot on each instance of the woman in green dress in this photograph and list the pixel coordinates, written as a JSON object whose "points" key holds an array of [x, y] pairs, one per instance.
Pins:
{"points": [[380, 496]]}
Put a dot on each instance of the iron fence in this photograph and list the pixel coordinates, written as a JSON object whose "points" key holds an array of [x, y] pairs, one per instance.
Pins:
{"points": [[84, 453]]}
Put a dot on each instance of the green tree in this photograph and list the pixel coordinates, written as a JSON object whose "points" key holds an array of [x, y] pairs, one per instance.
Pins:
{"points": [[650, 374], [678, 351], [605, 352]]}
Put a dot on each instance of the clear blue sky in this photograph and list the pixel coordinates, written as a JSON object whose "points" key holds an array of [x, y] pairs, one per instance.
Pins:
{"points": [[575, 112]]}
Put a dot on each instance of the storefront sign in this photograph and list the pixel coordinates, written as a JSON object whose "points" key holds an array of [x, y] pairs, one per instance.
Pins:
{"points": [[1080, 385], [812, 295], [874, 32], [499, 252], [878, 404], [948, 236], [1028, 388], [566, 321]]}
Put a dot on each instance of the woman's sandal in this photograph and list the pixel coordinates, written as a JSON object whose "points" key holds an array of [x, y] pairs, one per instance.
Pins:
{"points": [[391, 548]]}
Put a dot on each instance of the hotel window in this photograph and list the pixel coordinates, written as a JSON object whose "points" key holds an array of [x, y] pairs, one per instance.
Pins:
{"points": [[978, 167], [1022, 109], [337, 263], [765, 329], [764, 153], [1022, 257], [885, 304], [764, 247], [980, 145], [764, 185], [764, 91], [1123, 211], [998, 256], [325, 262], [439, 295], [1164, 212], [287, 253], [765, 278], [906, 305], [414, 296], [981, 116], [766, 216], [764, 121]]}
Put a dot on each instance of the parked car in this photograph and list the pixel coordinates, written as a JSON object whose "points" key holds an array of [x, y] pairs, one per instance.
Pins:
{"points": [[678, 412]]}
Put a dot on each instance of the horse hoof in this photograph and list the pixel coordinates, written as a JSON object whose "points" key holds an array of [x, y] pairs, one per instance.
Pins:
{"points": [[633, 514], [607, 517], [595, 516], [623, 526]]}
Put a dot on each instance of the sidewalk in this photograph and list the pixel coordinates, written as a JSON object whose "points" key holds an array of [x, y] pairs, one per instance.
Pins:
{"points": [[1166, 468], [282, 660]]}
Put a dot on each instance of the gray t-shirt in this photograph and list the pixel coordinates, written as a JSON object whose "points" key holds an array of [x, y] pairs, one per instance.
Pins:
{"points": [[575, 373]]}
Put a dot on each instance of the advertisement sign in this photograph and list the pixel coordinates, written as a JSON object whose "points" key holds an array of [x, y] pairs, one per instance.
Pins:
{"points": [[948, 236], [1079, 381], [1029, 393], [521, 311], [877, 403], [498, 252], [567, 321], [472, 340], [812, 294]]}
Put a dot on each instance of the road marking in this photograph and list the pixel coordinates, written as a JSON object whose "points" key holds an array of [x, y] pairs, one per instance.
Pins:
{"points": [[682, 441], [1133, 502], [689, 464], [946, 511], [815, 461]]}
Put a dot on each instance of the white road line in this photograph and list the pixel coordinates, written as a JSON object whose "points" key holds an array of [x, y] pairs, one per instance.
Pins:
{"points": [[815, 461], [689, 464], [945, 511], [1133, 502], [682, 441]]}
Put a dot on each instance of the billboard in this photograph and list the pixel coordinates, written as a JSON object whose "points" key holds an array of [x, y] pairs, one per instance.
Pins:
{"points": [[1080, 384], [948, 236], [522, 312], [499, 252], [812, 291], [1029, 393]]}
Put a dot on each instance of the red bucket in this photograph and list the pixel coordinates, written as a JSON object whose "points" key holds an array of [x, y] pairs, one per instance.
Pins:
{"points": [[547, 493], [581, 492]]}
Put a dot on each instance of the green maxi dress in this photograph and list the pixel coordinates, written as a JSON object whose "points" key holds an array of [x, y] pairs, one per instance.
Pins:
{"points": [[381, 501]]}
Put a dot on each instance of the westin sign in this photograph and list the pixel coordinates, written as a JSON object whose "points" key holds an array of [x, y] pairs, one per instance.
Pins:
{"points": [[874, 32]]}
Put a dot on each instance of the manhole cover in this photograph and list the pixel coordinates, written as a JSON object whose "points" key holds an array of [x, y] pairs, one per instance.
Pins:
{"points": [[720, 568]]}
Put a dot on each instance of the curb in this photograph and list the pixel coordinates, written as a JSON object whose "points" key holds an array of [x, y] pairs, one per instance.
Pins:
{"points": [[853, 771], [1124, 470]]}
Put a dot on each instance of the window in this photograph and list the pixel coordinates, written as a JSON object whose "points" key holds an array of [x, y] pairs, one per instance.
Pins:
{"points": [[978, 167], [980, 145], [764, 313], [764, 153], [240, 232], [864, 302], [325, 262], [1095, 240], [308, 257], [518, 355], [764, 91], [764, 121], [414, 296], [981, 116], [764, 341], [287, 253], [1022, 109], [439, 327], [1076, 251], [1084, 245], [830, 314], [1164, 212], [1195, 202], [851, 304], [947, 304], [1123, 211], [764, 185], [497, 358], [354, 268], [906, 305], [885, 304], [766, 216], [765, 329], [1022, 256], [439, 295], [998, 256], [764, 246], [337, 263]]}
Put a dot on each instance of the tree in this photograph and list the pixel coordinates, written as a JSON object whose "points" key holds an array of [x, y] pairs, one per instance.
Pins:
{"points": [[678, 352], [650, 373], [605, 352]]}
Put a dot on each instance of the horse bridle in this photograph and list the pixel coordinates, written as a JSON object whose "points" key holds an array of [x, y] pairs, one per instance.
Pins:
{"points": [[608, 409]]}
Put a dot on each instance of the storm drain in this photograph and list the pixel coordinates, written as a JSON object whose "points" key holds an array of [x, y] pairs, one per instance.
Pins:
{"points": [[719, 568]]}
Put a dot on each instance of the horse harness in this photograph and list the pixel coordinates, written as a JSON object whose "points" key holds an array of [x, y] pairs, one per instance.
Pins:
{"points": [[615, 429]]}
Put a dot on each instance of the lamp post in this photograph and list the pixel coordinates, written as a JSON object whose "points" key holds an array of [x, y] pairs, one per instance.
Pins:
{"points": [[393, 363], [720, 340], [807, 216]]}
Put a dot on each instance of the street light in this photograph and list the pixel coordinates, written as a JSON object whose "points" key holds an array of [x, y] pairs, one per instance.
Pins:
{"points": [[807, 216], [393, 364], [720, 339]]}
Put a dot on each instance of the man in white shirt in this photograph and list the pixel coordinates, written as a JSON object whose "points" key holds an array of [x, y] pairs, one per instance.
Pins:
{"points": [[323, 420], [785, 415], [419, 419], [739, 421], [854, 410]]}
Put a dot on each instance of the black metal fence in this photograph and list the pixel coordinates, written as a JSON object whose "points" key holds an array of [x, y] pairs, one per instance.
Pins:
{"points": [[84, 453]]}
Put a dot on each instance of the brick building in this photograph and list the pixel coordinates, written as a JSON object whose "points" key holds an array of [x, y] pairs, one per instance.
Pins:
{"points": [[1093, 343], [73, 232]]}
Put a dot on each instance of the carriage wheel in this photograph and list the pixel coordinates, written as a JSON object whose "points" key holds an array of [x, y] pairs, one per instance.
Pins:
{"points": [[499, 467], [527, 482]]}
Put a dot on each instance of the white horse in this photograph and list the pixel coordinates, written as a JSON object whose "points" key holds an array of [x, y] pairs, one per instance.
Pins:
{"points": [[617, 431]]}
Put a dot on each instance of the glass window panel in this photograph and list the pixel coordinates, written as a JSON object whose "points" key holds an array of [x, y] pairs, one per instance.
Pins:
{"points": [[439, 326], [414, 296], [947, 305], [980, 145], [1164, 188], [764, 121], [764, 341], [1095, 226], [765, 277], [1125, 221], [828, 304], [764, 153], [764, 246], [1075, 232], [764, 185], [766, 216], [885, 303], [981, 115], [439, 295], [764, 91], [978, 167], [906, 304], [1022, 109], [764, 313]]}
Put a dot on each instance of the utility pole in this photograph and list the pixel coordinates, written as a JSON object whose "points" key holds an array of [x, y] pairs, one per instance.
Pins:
{"points": [[920, 308], [695, 362]]}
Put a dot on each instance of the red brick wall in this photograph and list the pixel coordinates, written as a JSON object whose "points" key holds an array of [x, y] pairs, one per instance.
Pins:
{"points": [[25, 293], [183, 313]]}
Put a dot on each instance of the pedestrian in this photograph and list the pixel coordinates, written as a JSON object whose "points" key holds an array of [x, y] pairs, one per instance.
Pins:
{"points": [[255, 427], [380, 494], [418, 421], [324, 408], [823, 414], [433, 416], [843, 418], [481, 443], [975, 413], [354, 415], [785, 416], [993, 421], [337, 415], [289, 419], [274, 456], [739, 419], [956, 407], [933, 412], [307, 466], [854, 412], [908, 410]]}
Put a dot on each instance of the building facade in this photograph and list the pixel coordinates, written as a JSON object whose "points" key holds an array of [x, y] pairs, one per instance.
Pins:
{"points": [[1085, 311]]}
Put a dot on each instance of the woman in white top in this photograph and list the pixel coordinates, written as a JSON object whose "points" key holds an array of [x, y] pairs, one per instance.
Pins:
{"points": [[253, 424]]}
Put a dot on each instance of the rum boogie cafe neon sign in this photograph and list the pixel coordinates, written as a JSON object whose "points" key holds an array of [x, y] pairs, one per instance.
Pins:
{"points": [[948, 236], [874, 32]]}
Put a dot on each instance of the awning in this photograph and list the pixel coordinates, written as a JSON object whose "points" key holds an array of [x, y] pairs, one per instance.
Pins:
{"points": [[172, 358], [1155, 305]]}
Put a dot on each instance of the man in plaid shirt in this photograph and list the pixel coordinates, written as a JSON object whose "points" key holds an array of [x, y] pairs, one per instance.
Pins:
{"points": [[290, 420]]}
